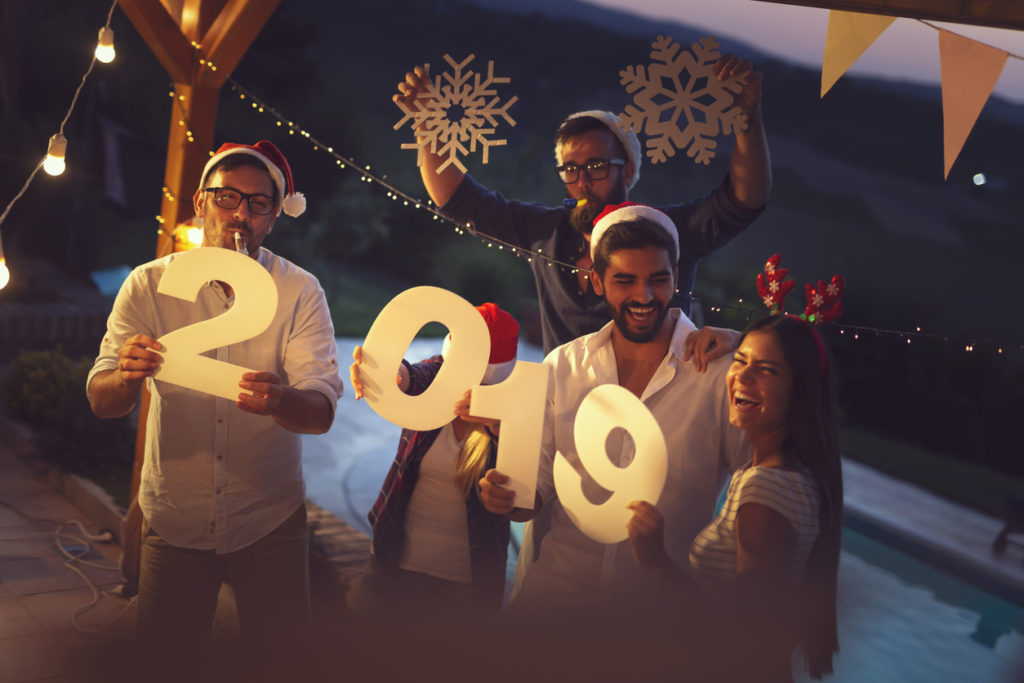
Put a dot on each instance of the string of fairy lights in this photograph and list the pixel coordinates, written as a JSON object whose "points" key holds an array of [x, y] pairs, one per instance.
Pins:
{"points": [[969, 345], [393, 193], [857, 332], [54, 164]]}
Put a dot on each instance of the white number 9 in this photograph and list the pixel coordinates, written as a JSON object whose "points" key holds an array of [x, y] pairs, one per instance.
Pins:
{"points": [[606, 407]]}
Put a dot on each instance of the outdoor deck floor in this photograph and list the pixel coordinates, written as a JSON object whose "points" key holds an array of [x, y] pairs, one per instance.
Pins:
{"points": [[46, 632], [39, 594]]}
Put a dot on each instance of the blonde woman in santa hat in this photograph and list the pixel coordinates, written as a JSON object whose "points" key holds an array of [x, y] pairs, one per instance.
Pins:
{"points": [[435, 547]]}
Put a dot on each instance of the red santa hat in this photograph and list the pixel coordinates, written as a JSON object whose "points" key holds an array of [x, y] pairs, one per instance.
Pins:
{"points": [[504, 331], [630, 211], [292, 203]]}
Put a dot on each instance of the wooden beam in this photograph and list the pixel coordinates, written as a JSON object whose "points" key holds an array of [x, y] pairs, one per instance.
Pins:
{"points": [[196, 106], [198, 15], [995, 13], [234, 29], [163, 36]]}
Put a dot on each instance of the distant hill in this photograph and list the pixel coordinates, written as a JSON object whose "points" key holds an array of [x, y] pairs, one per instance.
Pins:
{"points": [[627, 23], [615, 20]]}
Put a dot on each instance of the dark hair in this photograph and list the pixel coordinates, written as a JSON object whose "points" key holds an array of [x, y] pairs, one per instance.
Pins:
{"points": [[813, 445], [579, 125], [233, 161], [636, 233]]}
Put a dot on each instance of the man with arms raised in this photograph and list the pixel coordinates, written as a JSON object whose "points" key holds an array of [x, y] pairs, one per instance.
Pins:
{"points": [[634, 249], [600, 162], [222, 490]]}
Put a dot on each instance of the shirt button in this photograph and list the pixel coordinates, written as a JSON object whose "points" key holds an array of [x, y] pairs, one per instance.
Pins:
{"points": [[218, 491], [220, 457], [220, 420]]}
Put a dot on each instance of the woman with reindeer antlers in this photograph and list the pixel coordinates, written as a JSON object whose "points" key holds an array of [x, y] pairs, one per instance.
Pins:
{"points": [[772, 553]]}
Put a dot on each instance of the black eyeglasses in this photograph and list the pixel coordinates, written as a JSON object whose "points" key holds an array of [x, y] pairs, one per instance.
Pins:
{"points": [[596, 169], [229, 198]]}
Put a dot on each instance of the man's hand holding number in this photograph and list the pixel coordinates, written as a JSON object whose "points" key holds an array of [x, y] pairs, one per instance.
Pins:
{"points": [[266, 394], [138, 359]]}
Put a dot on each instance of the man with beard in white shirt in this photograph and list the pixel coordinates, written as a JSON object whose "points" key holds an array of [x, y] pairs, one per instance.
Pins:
{"points": [[634, 249]]}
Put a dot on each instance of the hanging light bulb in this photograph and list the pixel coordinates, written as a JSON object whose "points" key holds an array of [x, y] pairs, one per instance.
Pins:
{"points": [[105, 46], [188, 235], [5, 274], [54, 162]]}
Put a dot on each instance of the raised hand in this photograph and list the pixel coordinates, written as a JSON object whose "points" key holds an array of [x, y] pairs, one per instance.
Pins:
{"points": [[415, 83], [749, 98]]}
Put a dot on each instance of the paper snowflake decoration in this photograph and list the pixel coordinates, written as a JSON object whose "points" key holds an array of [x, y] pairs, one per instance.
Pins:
{"points": [[456, 113], [680, 101]]}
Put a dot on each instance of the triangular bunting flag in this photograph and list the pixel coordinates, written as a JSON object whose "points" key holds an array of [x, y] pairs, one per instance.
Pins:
{"points": [[849, 35], [969, 72]]}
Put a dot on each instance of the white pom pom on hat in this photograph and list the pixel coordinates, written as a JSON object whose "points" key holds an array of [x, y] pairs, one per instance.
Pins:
{"points": [[626, 136], [292, 203]]}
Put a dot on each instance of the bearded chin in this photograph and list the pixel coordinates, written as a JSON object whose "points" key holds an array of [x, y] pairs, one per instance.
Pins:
{"points": [[582, 217], [619, 316]]}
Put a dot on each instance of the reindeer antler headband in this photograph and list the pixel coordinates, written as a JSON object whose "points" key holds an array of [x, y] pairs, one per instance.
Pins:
{"points": [[823, 304]]}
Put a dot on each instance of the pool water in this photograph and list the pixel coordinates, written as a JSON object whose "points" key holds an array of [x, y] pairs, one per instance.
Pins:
{"points": [[904, 620]]}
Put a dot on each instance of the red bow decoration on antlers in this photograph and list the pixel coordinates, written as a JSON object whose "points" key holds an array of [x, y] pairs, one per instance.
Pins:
{"points": [[823, 304]]}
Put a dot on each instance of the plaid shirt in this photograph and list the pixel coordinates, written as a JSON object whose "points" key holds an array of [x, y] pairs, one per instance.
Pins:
{"points": [[488, 533]]}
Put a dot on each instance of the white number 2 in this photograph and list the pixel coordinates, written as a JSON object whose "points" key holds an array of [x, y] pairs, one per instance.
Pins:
{"points": [[252, 312]]}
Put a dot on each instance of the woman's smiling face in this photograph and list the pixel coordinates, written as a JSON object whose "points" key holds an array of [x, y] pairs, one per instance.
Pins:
{"points": [[760, 385]]}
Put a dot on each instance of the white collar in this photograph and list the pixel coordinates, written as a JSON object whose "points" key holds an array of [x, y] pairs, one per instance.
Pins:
{"points": [[677, 346]]}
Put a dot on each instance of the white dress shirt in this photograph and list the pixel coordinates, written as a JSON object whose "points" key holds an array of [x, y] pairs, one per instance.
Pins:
{"points": [[692, 411], [216, 477]]}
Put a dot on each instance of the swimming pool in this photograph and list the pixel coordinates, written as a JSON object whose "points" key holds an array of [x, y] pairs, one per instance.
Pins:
{"points": [[900, 619], [903, 620]]}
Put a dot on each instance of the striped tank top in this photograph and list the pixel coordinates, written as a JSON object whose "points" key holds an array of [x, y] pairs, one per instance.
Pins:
{"points": [[791, 493]]}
